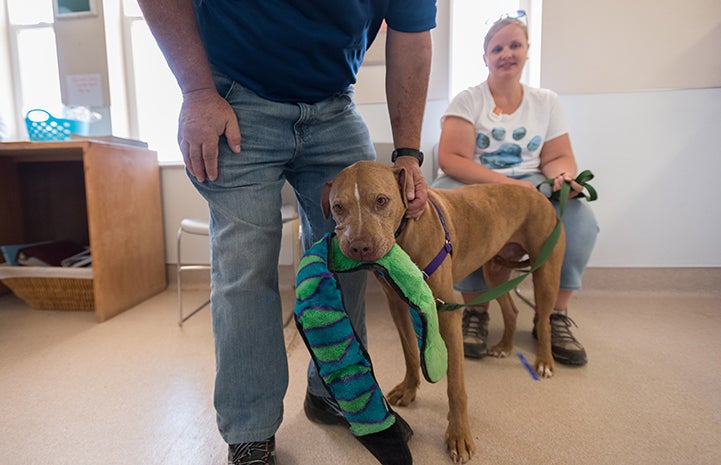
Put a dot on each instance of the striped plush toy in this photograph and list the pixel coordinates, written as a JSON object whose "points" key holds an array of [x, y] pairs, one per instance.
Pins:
{"points": [[343, 363]]}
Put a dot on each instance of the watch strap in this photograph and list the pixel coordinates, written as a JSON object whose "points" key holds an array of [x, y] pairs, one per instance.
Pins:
{"points": [[407, 152]]}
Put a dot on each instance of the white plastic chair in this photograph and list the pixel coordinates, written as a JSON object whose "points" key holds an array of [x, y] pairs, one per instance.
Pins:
{"points": [[201, 228]]}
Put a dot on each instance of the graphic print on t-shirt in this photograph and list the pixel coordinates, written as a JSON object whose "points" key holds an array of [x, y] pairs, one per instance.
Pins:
{"points": [[508, 154]]}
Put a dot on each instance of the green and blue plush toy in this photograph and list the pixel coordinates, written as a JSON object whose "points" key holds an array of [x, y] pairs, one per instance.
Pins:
{"points": [[343, 363]]}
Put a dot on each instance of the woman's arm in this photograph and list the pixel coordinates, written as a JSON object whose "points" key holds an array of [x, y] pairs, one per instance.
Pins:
{"points": [[559, 164]]}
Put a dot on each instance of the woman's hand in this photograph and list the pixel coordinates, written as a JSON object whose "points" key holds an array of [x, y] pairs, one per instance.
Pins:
{"points": [[558, 181]]}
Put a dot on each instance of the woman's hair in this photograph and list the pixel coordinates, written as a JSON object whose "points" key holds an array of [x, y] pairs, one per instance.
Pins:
{"points": [[500, 24]]}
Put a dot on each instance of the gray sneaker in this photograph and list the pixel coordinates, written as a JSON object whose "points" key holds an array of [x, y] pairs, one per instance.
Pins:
{"points": [[252, 453], [565, 348], [475, 332]]}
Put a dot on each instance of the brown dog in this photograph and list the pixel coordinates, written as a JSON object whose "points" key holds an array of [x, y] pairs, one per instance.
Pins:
{"points": [[483, 222]]}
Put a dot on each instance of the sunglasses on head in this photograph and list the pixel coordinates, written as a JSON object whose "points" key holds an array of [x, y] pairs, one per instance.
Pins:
{"points": [[518, 14]]}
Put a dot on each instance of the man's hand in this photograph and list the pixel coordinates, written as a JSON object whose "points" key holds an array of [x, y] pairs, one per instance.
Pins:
{"points": [[204, 117], [415, 187]]}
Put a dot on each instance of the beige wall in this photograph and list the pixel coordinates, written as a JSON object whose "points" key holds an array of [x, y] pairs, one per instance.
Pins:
{"points": [[625, 46]]}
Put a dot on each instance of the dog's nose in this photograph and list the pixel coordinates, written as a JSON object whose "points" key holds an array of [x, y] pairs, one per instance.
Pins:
{"points": [[361, 250]]}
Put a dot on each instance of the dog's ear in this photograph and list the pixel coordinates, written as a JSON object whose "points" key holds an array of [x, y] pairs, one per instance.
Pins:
{"points": [[325, 199], [400, 174]]}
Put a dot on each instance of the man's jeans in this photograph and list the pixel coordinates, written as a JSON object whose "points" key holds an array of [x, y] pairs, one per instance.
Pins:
{"points": [[307, 144]]}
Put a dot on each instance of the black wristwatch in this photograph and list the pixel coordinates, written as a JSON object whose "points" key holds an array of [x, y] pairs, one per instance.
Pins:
{"points": [[417, 154]]}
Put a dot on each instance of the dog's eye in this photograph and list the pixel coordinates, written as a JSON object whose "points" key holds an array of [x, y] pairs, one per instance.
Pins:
{"points": [[338, 208], [381, 201]]}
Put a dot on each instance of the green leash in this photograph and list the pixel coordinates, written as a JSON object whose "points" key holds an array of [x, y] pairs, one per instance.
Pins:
{"points": [[562, 197]]}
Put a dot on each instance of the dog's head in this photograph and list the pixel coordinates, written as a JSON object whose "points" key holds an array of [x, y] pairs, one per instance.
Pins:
{"points": [[367, 203]]}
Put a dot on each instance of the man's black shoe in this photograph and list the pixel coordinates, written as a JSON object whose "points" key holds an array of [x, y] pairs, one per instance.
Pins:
{"points": [[323, 410], [390, 446]]}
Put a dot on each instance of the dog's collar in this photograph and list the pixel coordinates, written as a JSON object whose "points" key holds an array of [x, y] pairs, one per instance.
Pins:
{"points": [[446, 250], [398, 232]]}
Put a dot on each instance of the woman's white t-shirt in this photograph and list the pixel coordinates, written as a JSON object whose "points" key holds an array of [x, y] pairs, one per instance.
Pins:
{"points": [[510, 144]]}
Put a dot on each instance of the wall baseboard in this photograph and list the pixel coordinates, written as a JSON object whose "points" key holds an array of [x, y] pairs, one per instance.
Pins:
{"points": [[655, 280]]}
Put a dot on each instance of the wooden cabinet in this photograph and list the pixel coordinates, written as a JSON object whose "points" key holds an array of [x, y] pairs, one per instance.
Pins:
{"points": [[101, 194]]}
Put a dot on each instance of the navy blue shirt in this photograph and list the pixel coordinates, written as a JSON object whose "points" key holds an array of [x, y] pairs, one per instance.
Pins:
{"points": [[300, 50]]}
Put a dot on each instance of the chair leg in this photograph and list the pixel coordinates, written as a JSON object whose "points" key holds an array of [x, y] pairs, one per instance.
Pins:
{"points": [[525, 299], [179, 279], [520, 295], [183, 318]]}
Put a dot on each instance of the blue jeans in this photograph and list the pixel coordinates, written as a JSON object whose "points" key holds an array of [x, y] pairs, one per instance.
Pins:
{"points": [[581, 232], [307, 145]]}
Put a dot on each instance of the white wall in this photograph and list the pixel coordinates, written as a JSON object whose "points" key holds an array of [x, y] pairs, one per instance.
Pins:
{"points": [[641, 86], [657, 158]]}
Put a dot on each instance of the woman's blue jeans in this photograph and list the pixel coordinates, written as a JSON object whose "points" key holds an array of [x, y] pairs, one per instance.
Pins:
{"points": [[581, 232], [307, 145]]}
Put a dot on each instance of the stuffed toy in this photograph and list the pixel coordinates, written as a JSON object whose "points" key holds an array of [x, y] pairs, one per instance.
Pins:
{"points": [[343, 363]]}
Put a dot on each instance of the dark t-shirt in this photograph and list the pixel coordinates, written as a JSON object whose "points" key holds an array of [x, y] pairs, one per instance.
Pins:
{"points": [[300, 50]]}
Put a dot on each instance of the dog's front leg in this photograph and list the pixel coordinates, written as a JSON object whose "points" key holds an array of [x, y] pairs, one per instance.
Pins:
{"points": [[458, 435], [405, 392]]}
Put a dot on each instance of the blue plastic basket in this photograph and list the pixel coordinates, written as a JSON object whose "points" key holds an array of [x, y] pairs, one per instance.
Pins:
{"points": [[42, 126]]}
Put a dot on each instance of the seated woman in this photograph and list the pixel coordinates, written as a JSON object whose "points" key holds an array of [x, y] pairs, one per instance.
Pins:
{"points": [[503, 131]]}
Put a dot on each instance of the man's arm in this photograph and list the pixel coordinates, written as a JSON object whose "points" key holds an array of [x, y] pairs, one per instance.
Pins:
{"points": [[408, 66], [204, 115]]}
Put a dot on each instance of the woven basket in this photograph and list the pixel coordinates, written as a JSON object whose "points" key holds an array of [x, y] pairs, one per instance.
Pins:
{"points": [[54, 293], [49, 292]]}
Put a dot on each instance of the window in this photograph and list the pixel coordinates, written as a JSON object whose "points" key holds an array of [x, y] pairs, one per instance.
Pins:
{"points": [[34, 57], [152, 94], [153, 91]]}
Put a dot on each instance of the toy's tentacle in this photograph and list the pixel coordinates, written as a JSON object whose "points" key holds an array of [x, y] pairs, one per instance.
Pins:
{"points": [[343, 363]]}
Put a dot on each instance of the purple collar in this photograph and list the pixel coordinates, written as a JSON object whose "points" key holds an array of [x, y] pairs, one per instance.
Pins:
{"points": [[446, 250]]}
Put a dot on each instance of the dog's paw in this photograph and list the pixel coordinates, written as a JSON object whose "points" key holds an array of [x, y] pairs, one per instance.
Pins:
{"points": [[460, 447], [544, 369], [500, 350], [498, 353], [402, 395]]}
